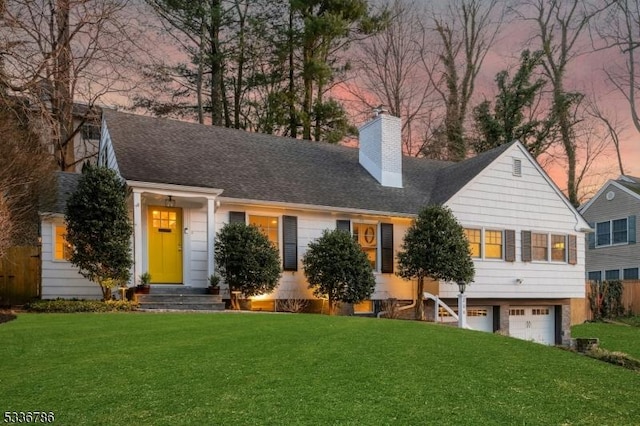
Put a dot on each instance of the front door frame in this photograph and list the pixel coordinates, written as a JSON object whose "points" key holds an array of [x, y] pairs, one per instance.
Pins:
{"points": [[169, 230]]}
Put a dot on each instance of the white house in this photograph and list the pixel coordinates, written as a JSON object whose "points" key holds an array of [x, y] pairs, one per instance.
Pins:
{"points": [[187, 180]]}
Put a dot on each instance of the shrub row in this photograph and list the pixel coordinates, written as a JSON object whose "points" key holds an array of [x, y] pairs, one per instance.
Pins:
{"points": [[74, 305], [617, 358]]}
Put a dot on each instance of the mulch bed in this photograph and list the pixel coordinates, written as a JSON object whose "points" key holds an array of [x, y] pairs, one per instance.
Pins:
{"points": [[6, 316]]}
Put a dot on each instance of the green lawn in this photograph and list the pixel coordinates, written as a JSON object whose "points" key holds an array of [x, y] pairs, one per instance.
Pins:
{"points": [[613, 337], [168, 369]]}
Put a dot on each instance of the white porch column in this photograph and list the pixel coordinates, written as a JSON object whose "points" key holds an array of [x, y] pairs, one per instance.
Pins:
{"points": [[137, 234], [211, 234], [462, 310]]}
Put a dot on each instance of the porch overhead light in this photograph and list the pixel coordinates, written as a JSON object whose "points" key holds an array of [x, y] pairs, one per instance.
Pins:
{"points": [[462, 286], [169, 202]]}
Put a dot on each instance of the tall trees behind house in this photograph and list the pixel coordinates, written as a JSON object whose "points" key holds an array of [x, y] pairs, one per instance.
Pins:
{"points": [[560, 29], [259, 65], [55, 52]]}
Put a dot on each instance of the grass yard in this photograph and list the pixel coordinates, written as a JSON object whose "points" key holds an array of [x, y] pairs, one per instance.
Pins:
{"points": [[613, 337], [168, 369]]}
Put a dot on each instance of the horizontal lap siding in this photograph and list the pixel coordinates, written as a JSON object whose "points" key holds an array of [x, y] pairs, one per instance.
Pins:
{"points": [[197, 256], [601, 209], [310, 227], [61, 278], [496, 199]]}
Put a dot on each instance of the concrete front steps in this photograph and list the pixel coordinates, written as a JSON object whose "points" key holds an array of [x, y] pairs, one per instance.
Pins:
{"points": [[179, 298]]}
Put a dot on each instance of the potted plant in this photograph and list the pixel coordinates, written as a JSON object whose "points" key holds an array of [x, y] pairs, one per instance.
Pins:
{"points": [[214, 284], [144, 283]]}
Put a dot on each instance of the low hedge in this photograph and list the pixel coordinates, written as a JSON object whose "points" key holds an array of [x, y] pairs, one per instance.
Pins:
{"points": [[617, 358], [74, 305], [6, 317]]}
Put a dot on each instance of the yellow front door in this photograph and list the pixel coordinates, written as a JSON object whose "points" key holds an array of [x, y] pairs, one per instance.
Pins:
{"points": [[165, 245]]}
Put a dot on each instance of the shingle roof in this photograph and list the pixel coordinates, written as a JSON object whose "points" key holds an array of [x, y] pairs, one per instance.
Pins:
{"points": [[269, 168], [66, 184]]}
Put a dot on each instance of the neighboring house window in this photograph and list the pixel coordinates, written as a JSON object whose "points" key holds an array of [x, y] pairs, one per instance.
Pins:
{"points": [[603, 233], [90, 131], [366, 235], [62, 246], [617, 231], [539, 247], [558, 248], [493, 244], [612, 274], [475, 241], [268, 225], [630, 274], [595, 276]]}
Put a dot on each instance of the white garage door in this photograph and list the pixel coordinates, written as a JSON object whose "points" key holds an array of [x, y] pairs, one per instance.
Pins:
{"points": [[534, 323], [478, 317]]}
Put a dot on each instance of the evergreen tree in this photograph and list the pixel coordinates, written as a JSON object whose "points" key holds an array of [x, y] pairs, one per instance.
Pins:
{"points": [[337, 268], [435, 246], [99, 229]]}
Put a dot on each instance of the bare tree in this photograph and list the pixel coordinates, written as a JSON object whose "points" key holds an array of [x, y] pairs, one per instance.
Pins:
{"points": [[621, 29], [561, 27], [25, 177], [465, 33], [56, 52], [612, 128], [388, 71]]}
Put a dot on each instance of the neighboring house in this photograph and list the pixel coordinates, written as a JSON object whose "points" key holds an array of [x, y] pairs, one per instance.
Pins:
{"points": [[612, 252], [187, 180]]}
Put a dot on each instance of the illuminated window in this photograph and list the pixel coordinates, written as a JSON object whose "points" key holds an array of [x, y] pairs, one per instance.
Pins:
{"points": [[493, 244], [365, 307], [62, 246], [268, 225], [475, 241], [558, 248], [163, 219], [366, 235], [539, 249]]}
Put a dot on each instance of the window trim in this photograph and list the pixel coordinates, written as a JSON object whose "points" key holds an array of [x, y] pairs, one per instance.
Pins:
{"points": [[546, 247], [376, 226], [484, 243], [480, 250], [611, 232]]}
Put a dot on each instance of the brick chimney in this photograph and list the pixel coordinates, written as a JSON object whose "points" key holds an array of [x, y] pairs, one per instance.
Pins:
{"points": [[381, 148]]}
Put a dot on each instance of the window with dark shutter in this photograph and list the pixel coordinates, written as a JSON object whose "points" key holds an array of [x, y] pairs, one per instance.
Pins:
{"points": [[386, 247], [237, 217], [510, 245], [631, 220], [343, 225], [526, 246], [290, 243], [573, 250]]}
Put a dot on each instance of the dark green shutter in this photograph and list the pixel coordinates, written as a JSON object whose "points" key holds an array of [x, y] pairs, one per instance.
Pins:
{"points": [[631, 222], [237, 217], [386, 247], [526, 246], [290, 243], [591, 237], [510, 245], [343, 225], [573, 250]]}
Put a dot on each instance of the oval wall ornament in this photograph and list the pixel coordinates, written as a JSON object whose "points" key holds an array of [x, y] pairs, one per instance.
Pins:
{"points": [[610, 195]]}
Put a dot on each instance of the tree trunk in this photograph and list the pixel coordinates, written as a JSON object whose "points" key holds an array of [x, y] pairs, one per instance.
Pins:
{"points": [[420, 299], [307, 102], [216, 64], [62, 99], [293, 120]]}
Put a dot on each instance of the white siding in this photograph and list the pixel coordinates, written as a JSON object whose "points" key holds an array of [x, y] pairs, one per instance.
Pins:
{"points": [[310, 227], [60, 278], [498, 200]]}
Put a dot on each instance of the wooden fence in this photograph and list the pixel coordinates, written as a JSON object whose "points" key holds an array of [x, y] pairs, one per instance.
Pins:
{"points": [[20, 275], [581, 311]]}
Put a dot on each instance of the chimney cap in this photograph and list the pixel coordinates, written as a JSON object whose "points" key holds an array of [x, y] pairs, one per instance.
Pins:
{"points": [[380, 110]]}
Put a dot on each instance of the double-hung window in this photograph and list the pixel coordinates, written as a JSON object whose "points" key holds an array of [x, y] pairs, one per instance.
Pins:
{"points": [[475, 242], [493, 244], [539, 247]]}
